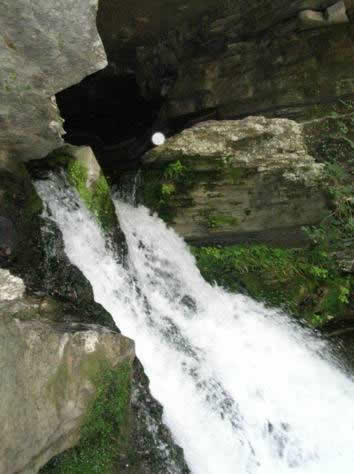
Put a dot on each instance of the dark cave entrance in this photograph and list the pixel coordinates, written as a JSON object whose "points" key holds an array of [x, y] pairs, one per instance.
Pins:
{"points": [[108, 112]]}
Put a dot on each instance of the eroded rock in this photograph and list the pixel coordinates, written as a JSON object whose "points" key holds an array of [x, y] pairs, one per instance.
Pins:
{"points": [[231, 181]]}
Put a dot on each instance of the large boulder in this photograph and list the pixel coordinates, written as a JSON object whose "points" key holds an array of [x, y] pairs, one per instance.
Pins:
{"points": [[46, 46], [231, 181], [50, 372]]}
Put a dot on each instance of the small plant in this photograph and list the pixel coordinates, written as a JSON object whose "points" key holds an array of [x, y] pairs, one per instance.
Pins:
{"points": [[344, 294], [167, 189], [318, 272], [174, 171]]}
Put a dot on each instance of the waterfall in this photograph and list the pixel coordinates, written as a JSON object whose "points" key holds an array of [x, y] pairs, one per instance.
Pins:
{"points": [[245, 390]]}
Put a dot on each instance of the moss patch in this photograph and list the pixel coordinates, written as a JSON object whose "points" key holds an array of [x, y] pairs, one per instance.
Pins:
{"points": [[104, 432], [167, 189], [303, 282], [219, 222], [96, 196]]}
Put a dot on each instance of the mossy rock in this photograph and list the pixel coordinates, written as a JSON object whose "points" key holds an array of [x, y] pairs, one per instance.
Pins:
{"points": [[85, 175], [77, 378], [95, 192], [104, 435], [236, 181]]}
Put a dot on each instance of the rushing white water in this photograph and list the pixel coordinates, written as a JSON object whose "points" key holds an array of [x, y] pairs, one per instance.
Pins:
{"points": [[244, 390]]}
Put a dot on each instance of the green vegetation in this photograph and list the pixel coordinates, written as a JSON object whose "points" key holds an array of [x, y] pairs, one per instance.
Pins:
{"points": [[96, 196], [175, 171], [104, 432], [220, 221], [306, 283], [336, 231], [165, 189]]}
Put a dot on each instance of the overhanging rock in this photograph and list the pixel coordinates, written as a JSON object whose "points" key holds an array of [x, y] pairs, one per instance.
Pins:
{"points": [[45, 46]]}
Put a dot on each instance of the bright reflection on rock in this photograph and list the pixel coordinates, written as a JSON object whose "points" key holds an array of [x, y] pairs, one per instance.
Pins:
{"points": [[158, 138]]}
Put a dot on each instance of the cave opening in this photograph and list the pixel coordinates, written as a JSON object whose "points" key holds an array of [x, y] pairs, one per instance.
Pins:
{"points": [[109, 113]]}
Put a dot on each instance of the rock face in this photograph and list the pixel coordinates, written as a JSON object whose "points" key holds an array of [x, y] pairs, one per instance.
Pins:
{"points": [[283, 75], [46, 46], [240, 58], [147, 24], [231, 181], [11, 287], [19, 213], [49, 373]]}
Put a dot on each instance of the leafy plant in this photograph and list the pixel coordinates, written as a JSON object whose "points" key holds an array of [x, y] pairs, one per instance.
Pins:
{"points": [[167, 189], [174, 171]]}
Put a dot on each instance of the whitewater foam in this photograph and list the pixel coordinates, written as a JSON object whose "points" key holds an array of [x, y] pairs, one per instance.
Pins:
{"points": [[244, 389]]}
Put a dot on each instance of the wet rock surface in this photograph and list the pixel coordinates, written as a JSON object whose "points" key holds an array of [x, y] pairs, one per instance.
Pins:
{"points": [[154, 449]]}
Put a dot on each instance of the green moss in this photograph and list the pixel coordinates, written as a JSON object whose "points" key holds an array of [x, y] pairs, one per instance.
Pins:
{"points": [[237, 175], [167, 189], [220, 221], [174, 171], [96, 196], [105, 430], [303, 282]]}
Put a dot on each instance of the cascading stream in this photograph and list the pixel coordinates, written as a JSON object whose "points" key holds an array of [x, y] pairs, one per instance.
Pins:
{"points": [[245, 390]]}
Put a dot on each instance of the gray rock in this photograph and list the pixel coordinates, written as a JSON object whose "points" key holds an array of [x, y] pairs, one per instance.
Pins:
{"points": [[49, 374], [236, 181], [334, 15], [11, 287], [45, 46]]}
